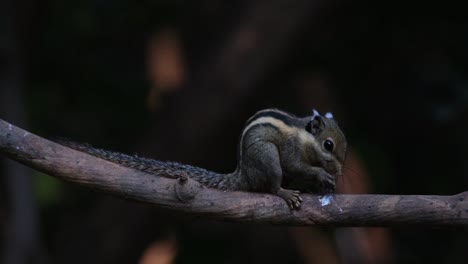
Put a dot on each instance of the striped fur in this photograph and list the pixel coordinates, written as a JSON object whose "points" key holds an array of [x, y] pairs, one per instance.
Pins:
{"points": [[270, 126], [287, 125]]}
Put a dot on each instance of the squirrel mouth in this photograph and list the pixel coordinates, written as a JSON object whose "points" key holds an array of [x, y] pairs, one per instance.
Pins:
{"points": [[331, 167]]}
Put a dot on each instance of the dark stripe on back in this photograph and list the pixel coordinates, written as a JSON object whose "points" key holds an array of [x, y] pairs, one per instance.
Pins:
{"points": [[258, 126], [287, 119]]}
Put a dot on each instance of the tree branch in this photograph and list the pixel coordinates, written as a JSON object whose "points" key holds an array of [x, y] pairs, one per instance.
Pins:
{"points": [[188, 196]]}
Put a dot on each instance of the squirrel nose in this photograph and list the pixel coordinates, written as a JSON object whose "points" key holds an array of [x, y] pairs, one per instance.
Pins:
{"points": [[339, 171]]}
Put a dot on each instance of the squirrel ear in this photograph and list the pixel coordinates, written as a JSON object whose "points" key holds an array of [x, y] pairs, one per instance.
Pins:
{"points": [[315, 113], [315, 125]]}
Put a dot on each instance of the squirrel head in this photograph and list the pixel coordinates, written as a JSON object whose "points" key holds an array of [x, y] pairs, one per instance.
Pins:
{"points": [[331, 141]]}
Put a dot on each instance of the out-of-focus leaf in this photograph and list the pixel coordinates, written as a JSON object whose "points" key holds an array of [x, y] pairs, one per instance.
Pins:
{"points": [[48, 190]]}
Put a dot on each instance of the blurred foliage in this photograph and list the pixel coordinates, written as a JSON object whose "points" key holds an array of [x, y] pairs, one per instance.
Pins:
{"points": [[48, 190]]}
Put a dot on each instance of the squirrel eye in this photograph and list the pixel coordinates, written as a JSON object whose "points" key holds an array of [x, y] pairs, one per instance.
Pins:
{"points": [[328, 145]]}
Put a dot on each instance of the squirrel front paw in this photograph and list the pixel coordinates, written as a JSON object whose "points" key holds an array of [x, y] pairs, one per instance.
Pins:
{"points": [[292, 197], [327, 183]]}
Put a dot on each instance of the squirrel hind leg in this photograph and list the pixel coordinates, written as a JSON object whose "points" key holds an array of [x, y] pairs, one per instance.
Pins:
{"points": [[268, 165]]}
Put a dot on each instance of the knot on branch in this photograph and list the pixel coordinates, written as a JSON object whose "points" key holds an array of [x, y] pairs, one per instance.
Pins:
{"points": [[337, 210], [185, 188]]}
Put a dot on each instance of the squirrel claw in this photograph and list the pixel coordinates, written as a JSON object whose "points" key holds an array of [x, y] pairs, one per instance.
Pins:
{"points": [[291, 197], [328, 187]]}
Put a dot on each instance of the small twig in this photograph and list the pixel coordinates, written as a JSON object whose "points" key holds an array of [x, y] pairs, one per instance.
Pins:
{"points": [[337, 210]]}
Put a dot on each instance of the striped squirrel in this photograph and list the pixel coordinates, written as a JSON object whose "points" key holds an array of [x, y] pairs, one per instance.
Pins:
{"points": [[278, 153]]}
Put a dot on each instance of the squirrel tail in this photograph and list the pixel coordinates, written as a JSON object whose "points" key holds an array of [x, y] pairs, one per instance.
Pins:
{"points": [[231, 181]]}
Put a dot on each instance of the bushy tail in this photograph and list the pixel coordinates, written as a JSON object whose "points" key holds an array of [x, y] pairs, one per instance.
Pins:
{"points": [[161, 168]]}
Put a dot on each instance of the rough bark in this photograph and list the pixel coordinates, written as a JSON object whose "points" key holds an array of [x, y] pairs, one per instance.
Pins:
{"points": [[188, 196]]}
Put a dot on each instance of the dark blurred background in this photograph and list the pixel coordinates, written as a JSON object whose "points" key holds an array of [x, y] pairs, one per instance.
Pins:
{"points": [[176, 80]]}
